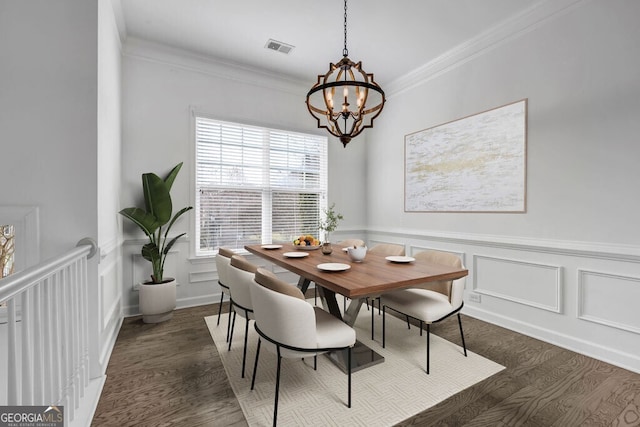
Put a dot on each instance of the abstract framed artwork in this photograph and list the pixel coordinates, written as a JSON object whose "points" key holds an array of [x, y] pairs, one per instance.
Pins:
{"points": [[473, 164]]}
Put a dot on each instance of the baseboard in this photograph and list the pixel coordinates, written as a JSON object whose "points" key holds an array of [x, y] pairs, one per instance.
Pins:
{"points": [[133, 310], [88, 403], [109, 344], [615, 357]]}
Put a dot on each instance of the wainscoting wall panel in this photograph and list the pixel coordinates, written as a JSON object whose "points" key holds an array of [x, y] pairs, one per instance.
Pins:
{"points": [[110, 298], [26, 222], [552, 290], [207, 276], [536, 285], [602, 297], [109, 293]]}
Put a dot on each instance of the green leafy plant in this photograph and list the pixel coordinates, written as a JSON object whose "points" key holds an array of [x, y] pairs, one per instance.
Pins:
{"points": [[154, 217], [330, 222]]}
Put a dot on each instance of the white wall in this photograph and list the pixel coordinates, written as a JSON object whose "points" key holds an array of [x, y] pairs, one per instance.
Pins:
{"points": [[108, 294], [48, 117], [59, 145], [161, 86], [570, 265]]}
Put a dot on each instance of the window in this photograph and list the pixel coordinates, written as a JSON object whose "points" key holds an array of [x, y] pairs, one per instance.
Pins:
{"points": [[256, 185]]}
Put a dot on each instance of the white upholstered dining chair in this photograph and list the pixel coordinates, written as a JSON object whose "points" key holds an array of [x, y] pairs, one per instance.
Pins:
{"points": [[223, 259], [292, 328], [241, 274], [350, 242], [431, 302]]}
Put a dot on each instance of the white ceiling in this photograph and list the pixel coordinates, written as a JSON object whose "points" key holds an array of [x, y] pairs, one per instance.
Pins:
{"points": [[391, 38]]}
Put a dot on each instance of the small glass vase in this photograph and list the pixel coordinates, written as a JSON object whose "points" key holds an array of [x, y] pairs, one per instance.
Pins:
{"points": [[326, 248]]}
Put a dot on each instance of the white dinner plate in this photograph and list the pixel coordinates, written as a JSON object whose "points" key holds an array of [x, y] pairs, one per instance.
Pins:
{"points": [[295, 254], [400, 258], [333, 266], [271, 246]]}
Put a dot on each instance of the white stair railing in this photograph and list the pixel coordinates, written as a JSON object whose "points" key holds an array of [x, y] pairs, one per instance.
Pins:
{"points": [[44, 335]]}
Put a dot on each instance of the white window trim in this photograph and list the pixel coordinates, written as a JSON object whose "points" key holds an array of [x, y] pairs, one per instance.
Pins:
{"points": [[195, 113]]}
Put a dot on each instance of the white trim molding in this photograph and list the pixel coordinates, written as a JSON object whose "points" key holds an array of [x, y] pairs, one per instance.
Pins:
{"points": [[519, 281], [599, 297], [536, 15], [578, 295], [26, 221]]}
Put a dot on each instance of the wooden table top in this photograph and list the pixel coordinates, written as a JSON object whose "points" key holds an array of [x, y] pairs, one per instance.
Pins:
{"points": [[372, 276]]}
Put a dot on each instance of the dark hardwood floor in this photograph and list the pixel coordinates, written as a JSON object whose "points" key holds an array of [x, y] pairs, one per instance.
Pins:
{"points": [[171, 374]]}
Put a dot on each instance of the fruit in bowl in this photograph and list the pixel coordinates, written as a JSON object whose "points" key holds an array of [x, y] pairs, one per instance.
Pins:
{"points": [[306, 242]]}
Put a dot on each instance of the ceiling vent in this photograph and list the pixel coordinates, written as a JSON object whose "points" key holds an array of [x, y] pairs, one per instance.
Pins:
{"points": [[279, 46]]}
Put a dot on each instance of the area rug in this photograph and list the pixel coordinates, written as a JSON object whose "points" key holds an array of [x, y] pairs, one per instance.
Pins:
{"points": [[382, 395]]}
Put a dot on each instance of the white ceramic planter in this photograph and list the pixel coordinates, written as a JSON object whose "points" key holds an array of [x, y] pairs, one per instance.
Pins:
{"points": [[157, 301]]}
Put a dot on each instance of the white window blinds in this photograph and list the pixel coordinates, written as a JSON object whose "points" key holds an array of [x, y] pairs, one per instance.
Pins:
{"points": [[256, 185]]}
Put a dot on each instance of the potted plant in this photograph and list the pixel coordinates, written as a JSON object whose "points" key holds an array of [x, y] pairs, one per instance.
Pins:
{"points": [[157, 296], [328, 225]]}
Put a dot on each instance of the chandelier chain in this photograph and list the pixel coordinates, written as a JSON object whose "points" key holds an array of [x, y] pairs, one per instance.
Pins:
{"points": [[345, 52]]}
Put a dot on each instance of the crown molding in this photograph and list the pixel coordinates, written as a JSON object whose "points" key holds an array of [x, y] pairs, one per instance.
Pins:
{"points": [[529, 20], [179, 58]]}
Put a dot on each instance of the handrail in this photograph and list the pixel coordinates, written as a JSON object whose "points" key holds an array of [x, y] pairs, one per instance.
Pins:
{"points": [[45, 348], [17, 283]]}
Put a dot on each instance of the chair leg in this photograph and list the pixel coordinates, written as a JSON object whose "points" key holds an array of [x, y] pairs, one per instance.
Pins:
{"points": [[220, 307], [255, 364], [421, 323], [408, 324], [229, 322], [275, 405], [367, 300], [372, 325], [384, 318], [315, 362], [349, 379], [464, 346], [232, 328], [428, 335], [244, 353]]}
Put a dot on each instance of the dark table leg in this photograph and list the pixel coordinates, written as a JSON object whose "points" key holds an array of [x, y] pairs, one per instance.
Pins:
{"points": [[362, 356]]}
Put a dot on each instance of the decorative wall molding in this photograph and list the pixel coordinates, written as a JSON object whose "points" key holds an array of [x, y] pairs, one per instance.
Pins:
{"points": [[532, 289], [494, 276], [26, 221], [110, 295], [527, 21], [599, 296], [107, 248], [626, 253], [203, 276]]}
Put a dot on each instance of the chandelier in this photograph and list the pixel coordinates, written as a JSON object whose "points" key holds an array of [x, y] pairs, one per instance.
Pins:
{"points": [[346, 99]]}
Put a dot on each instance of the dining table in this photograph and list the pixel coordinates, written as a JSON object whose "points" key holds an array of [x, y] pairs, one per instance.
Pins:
{"points": [[336, 273]]}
